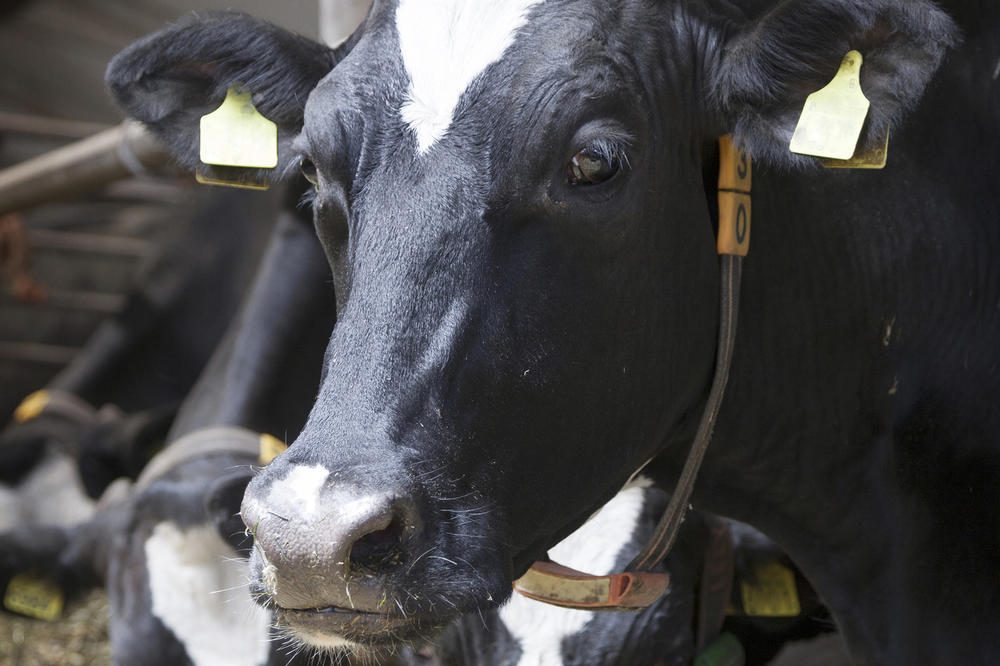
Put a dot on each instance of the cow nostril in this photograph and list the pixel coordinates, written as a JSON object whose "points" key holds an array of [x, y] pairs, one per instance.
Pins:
{"points": [[379, 548]]}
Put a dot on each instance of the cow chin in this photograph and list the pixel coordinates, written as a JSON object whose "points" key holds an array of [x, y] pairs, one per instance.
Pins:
{"points": [[366, 630]]}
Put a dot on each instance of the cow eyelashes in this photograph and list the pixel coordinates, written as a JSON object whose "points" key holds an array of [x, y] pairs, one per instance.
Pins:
{"points": [[597, 163]]}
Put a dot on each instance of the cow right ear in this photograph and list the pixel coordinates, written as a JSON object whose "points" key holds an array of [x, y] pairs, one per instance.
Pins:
{"points": [[171, 78], [767, 66]]}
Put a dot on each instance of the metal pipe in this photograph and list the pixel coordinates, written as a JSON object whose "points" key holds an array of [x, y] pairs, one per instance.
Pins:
{"points": [[62, 128], [78, 241], [81, 167]]}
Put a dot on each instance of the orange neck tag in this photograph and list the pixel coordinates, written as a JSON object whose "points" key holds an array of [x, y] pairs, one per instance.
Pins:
{"points": [[735, 171]]}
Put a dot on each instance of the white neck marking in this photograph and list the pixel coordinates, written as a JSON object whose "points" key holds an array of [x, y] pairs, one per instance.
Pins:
{"points": [[594, 548], [199, 591]]}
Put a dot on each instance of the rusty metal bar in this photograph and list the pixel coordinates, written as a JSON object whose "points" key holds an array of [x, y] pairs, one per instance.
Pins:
{"points": [[83, 166]]}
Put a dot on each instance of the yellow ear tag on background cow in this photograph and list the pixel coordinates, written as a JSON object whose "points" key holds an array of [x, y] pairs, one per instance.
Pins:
{"points": [[270, 448], [236, 135], [772, 593], [832, 117], [33, 596], [31, 406]]}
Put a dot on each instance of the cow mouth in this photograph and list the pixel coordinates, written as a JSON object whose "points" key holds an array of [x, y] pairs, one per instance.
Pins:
{"points": [[364, 628]]}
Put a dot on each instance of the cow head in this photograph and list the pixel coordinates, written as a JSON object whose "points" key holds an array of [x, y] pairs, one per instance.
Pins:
{"points": [[511, 196]]}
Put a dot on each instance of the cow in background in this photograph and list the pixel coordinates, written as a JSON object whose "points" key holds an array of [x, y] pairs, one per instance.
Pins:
{"points": [[168, 550], [109, 410]]}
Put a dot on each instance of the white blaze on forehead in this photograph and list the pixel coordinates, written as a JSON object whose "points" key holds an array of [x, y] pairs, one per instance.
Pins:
{"points": [[199, 591], [445, 45], [593, 548], [300, 490]]}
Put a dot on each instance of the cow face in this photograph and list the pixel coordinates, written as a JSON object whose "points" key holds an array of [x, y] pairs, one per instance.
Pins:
{"points": [[494, 239], [512, 200]]}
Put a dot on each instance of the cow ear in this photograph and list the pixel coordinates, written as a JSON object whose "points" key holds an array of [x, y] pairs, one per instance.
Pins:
{"points": [[770, 64], [171, 78]]}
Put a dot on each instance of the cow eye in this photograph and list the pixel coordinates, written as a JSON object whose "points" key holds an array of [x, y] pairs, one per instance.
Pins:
{"points": [[308, 169], [593, 165]]}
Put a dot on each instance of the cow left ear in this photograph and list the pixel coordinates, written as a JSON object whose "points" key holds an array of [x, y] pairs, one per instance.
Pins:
{"points": [[171, 78], [769, 65]]}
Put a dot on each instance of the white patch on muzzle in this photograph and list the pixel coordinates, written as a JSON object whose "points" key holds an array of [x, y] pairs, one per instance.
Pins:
{"points": [[199, 591], [445, 45], [594, 548], [299, 491]]}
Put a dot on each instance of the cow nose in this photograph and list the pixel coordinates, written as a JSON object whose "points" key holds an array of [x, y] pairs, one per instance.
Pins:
{"points": [[367, 531], [379, 538], [322, 543]]}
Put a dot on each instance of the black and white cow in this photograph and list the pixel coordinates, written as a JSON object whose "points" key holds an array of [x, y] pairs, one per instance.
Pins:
{"points": [[512, 196], [104, 415], [171, 552]]}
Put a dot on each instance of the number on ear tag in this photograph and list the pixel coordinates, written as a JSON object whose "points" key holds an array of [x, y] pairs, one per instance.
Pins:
{"points": [[832, 117], [237, 135]]}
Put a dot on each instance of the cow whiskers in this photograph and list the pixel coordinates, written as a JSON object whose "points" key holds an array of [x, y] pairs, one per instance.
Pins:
{"points": [[414, 562], [440, 557], [457, 497]]}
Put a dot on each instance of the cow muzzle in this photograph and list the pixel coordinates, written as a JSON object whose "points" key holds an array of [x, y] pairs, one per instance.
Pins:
{"points": [[331, 553]]}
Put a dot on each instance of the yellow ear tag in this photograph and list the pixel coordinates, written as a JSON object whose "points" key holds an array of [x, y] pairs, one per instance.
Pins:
{"points": [[31, 406], [772, 593], [33, 596], [871, 156], [832, 117], [240, 177], [237, 135], [270, 448]]}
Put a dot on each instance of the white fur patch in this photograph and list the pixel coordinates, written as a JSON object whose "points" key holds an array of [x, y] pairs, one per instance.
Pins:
{"points": [[51, 494], [300, 489], [445, 45], [594, 548], [199, 591]]}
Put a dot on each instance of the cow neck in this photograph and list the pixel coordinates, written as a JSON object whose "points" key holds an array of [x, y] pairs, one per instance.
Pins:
{"points": [[639, 586]]}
